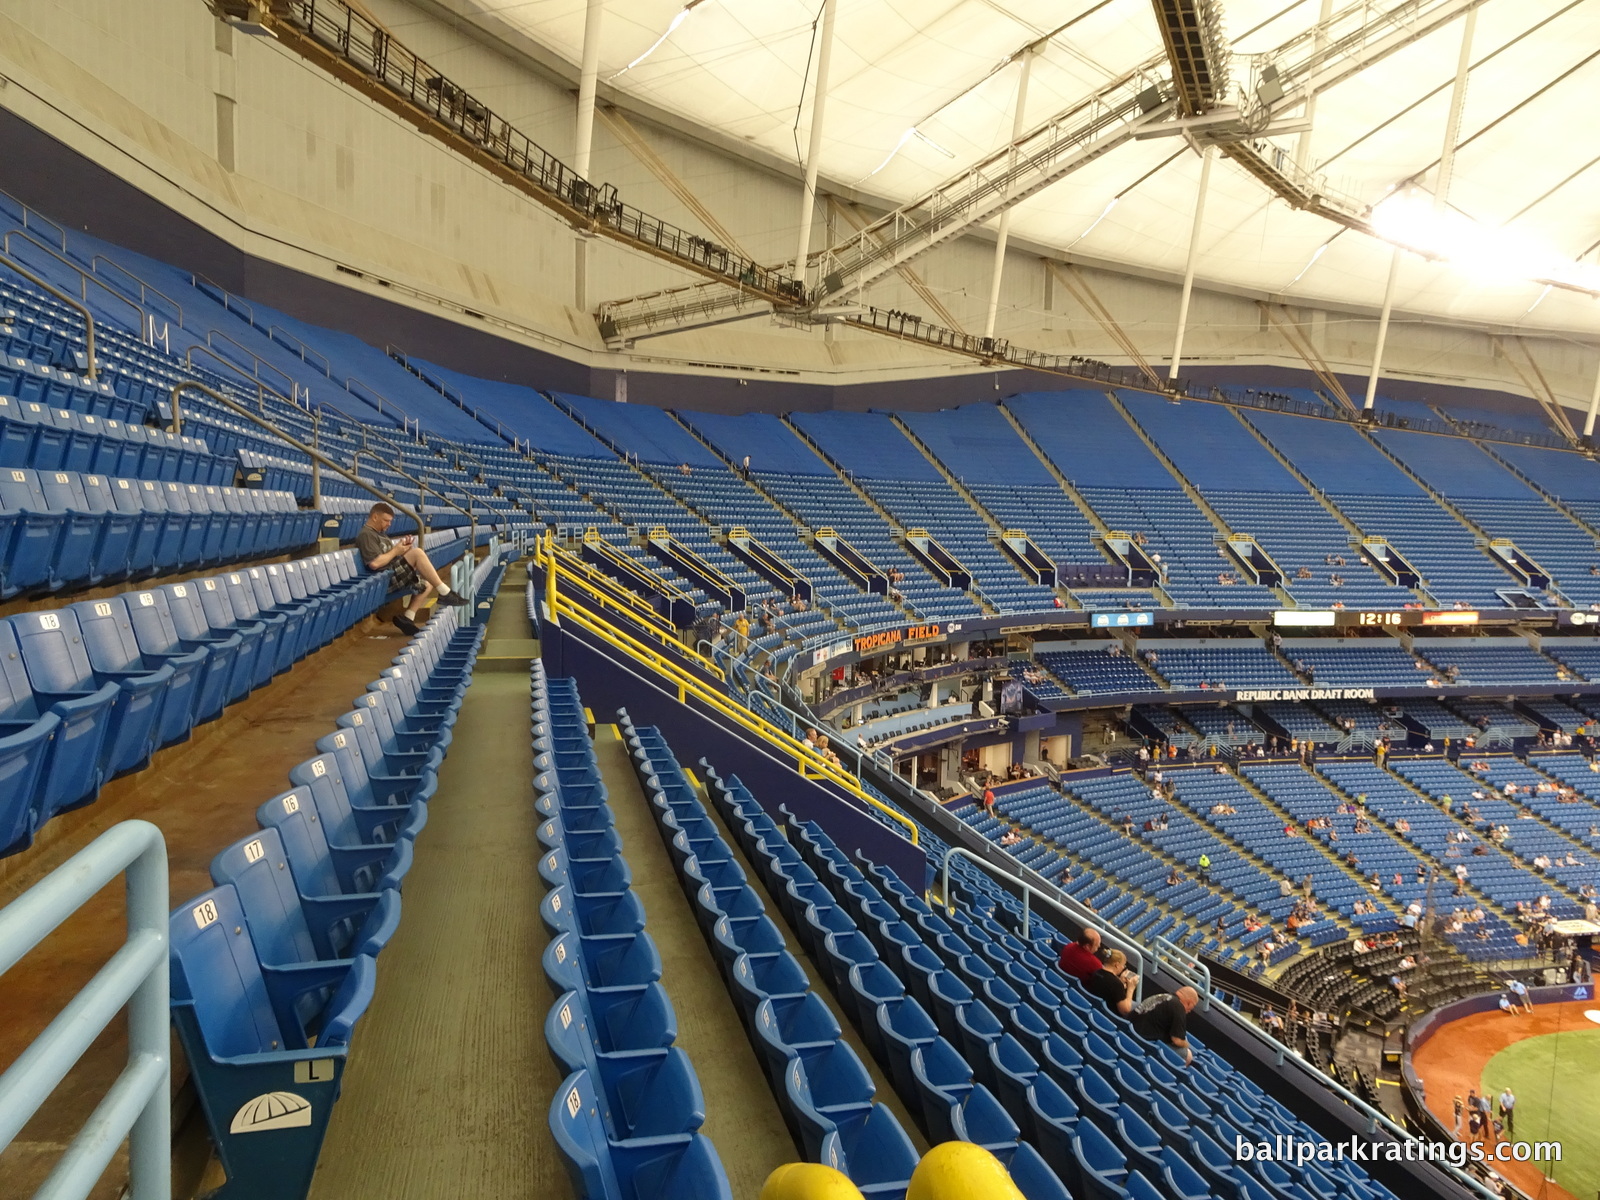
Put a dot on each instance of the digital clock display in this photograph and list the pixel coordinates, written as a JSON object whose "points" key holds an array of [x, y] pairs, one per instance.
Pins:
{"points": [[1372, 618], [1299, 618]]}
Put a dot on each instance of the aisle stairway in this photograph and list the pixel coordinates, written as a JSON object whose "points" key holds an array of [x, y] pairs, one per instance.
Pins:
{"points": [[445, 1018]]}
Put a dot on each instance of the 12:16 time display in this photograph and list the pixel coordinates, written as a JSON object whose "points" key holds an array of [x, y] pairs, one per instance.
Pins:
{"points": [[1375, 618]]}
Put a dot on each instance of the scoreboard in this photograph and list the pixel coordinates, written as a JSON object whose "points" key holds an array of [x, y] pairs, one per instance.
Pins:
{"points": [[1391, 618]]}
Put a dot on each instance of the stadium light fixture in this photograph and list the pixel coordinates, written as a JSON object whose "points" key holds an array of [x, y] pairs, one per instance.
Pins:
{"points": [[1409, 219], [1104, 213], [672, 27]]}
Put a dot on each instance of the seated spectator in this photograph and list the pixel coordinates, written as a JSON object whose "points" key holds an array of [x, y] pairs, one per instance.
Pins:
{"points": [[1113, 984], [407, 563], [1164, 1018], [1081, 959]]}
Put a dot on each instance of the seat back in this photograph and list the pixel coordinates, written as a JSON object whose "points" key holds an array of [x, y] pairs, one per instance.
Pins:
{"points": [[258, 868], [125, 496], [188, 613], [324, 779], [216, 971], [278, 583], [214, 602], [580, 1135], [52, 650], [293, 815], [150, 616], [296, 581], [20, 491], [16, 693], [108, 636], [153, 495], [97, 495], [241, 596]]}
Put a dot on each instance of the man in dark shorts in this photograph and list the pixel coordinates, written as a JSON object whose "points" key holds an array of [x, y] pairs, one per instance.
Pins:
{"points": [[1164, 1018], [407, 563], [1113, 984]]}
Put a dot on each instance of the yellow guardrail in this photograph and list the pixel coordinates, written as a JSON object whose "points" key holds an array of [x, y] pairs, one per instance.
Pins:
{"points": [[561, 564], [808, 762], [612, 593]]}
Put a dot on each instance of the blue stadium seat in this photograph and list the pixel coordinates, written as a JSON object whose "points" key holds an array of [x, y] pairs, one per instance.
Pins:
{"points": [[290, 926], [51, 645], [666, 1168], [267, 1106], [322, 868]]}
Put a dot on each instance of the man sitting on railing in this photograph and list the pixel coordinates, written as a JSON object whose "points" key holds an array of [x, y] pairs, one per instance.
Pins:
{"points": [[407, 563]]}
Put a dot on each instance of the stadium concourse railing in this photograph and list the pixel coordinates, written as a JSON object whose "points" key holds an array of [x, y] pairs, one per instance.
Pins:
{"points": [[808, 761], [138, 1105], [368, 57]]}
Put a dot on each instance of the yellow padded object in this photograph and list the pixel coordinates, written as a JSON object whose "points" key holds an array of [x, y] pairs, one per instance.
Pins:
{"points": [[961, 1171], [808, 1181]]}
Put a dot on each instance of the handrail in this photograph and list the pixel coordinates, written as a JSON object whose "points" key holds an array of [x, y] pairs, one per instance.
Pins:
{"points": [[88, 318], [84, 277], [659, 628], [315, 454], [355, 457], [30, 212], [611, 594], [294, 386], [195, 277], [327, 367], [138, 1105], [809, 763], [1086, 917], [143, 286], [261, 388], [405, 417]]}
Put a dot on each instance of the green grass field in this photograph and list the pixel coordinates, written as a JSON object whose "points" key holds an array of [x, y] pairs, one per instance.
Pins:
{"points": [[1553, 1079]]}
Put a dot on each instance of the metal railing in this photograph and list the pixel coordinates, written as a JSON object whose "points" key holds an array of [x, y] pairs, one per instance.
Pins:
{"points": [[1086, 917], [138, 1104], [314, 454], [83, 309], [256, 360], [382, 403], [84, 278], [146, 290], [28, 216], [354, 40]]}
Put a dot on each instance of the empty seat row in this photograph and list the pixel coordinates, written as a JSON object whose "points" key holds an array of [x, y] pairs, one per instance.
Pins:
{"points": [[891, 986], [91, 690], [627, 1115], [823, 1090], [58, 439], [275, 965], [61, 529], [23, 379]]}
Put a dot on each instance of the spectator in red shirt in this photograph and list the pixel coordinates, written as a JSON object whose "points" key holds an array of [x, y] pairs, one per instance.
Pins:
{"points": [[1081, 959], [988, 799]]}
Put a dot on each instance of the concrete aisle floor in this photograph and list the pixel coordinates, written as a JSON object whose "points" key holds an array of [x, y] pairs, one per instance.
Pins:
{"points": [[449, 1080], [203, 794], [742, 1118]]}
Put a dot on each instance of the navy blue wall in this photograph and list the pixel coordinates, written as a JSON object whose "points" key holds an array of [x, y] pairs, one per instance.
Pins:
{"points": [[608, 684]]}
